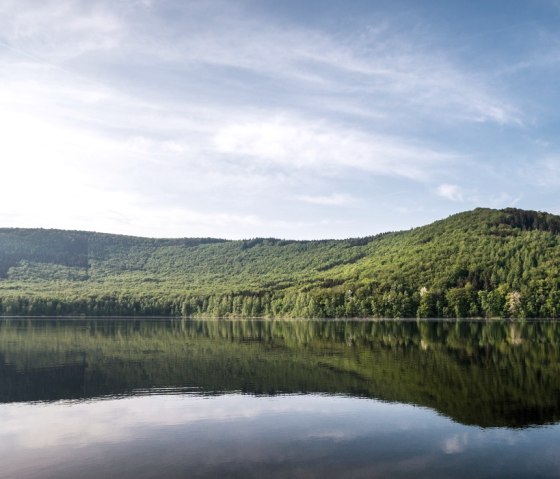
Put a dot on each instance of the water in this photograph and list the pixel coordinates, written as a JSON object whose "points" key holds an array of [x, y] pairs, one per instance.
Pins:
{"points": [[169, 398]]}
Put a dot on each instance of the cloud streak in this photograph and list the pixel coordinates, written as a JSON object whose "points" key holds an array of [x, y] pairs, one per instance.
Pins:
{"points": [[335, 199], [450, 192], [325, 148], [375, 65]]}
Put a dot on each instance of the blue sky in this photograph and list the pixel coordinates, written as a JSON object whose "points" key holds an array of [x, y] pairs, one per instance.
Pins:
{"points": [[292, 119]]}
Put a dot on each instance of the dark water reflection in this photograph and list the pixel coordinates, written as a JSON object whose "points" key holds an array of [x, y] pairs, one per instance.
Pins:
{"points": [[162, 398]]}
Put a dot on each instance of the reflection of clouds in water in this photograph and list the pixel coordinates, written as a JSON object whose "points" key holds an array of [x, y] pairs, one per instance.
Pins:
{"points": [[455, 444], [280, 436], [337, 436], [280, 430], [37, 426], [459, 443], [512, 438]]}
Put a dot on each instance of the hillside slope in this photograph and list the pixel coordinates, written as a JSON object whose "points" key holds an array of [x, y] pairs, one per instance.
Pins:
{"points": [[478, 263]]}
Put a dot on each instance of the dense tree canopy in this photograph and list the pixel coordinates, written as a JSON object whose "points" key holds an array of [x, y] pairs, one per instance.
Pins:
{"points": [[481, 263]]}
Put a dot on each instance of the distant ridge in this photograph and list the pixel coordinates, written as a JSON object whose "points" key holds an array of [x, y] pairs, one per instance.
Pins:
{"points": [[479, 263]]}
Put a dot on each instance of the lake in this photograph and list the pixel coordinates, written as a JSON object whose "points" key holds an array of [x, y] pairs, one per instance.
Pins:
{"points": [[255, 398]]}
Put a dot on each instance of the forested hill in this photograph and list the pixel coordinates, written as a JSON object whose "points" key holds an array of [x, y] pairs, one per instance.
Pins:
{"points": [[481, 263]]}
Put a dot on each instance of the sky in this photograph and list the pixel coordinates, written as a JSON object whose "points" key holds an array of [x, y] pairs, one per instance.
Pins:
{"points": [[298, 119]]}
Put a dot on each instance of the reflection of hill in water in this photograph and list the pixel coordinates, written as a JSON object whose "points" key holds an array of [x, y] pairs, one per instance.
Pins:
{"points": [[489, 374]]}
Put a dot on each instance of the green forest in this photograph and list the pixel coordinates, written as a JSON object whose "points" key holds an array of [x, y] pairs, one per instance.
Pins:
{"points": [[482, 263]]}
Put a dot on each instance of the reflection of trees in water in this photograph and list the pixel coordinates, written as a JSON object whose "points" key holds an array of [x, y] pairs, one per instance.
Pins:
{"points": [[61, 381], [485, 373]]}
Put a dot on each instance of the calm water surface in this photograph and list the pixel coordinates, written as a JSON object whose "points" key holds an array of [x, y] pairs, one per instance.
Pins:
{"points": [[172, 398]]}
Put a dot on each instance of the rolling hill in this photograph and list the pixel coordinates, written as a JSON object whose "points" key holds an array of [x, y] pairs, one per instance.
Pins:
{"points": [[480, 263]]}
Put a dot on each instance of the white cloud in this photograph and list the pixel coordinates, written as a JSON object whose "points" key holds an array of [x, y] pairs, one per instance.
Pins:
{"points": [[545, 173], [450, 192], [335, 199], [59, 30], [390, 71], [327, 148], [502, 200]]}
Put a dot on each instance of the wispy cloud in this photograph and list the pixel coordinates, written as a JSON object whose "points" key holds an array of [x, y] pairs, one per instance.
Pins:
{"points": [[489, 198], [55, 31], [545, 172], [326, 148], [382, 66], [502, 200], [450, 192], [335, 199]]}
